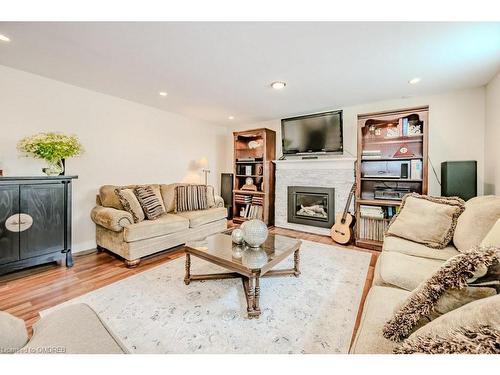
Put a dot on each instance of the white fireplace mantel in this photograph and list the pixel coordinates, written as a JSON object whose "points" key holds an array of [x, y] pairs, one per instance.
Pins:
{"points": [[323, 163], [337, 173]]}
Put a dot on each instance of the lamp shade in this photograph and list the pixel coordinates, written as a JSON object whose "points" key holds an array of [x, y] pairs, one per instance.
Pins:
{"points": [[203, 163]]}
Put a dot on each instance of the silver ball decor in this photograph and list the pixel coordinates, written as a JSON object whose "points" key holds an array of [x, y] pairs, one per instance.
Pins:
{"points": [[254, 232], [238, 251], [254, 258], [237, 236]]}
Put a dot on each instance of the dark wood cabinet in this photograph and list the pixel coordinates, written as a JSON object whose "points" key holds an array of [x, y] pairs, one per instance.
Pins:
{"points": [[35, 221]]}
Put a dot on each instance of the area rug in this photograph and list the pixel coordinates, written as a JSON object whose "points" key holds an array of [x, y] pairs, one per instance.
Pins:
{"points": [[154, 312]]}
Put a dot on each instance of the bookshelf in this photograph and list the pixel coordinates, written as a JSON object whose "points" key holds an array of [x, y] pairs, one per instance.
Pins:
{"points": [[392, 160], [254, 152]]}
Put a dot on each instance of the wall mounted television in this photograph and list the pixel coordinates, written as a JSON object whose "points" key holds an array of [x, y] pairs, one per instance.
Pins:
{"points": [[319, 133]]}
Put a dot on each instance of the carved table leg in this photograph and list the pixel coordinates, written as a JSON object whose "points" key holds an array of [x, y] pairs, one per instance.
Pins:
{"points": [[257, 295], [250, 297], [296, 263], [187, 277]]}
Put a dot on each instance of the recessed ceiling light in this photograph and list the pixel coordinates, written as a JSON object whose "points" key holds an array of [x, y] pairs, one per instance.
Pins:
{"points": [[163, 93], [414, 81], [278, 85], [231, 117], [4, 38]]}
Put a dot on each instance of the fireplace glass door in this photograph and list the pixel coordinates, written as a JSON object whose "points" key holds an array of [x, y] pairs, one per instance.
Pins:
{"points": [[311, 206]]}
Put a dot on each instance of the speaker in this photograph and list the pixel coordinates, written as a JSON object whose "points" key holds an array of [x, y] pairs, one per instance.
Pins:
{"points": [[404, 170], [226, 192], [459, 178]]}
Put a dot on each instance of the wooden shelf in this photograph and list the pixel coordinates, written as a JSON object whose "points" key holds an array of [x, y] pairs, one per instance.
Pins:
{"points": [[389, 179], [414, 139], [239, 219], [393, 159], [386, 147], [369, 244], [379, 202], [262, 170], [249, 192]]}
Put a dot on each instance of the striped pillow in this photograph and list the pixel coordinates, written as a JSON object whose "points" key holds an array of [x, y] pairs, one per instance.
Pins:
{"points": [[191, 198], [149, 201]]}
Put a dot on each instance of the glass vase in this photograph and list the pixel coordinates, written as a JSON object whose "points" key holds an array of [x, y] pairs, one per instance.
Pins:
{"points": [[54, 168]]}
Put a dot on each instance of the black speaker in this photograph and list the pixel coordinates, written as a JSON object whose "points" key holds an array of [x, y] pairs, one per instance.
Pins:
{"points": [[404, 170], [226, 192], [459, 178]]}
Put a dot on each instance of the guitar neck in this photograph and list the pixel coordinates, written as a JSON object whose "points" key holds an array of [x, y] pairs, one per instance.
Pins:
{"points": [[351, 193]]}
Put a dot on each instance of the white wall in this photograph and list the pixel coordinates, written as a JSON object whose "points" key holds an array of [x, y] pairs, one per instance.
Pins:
{"points": [[456, 128], [492, 146], [124, 142]]}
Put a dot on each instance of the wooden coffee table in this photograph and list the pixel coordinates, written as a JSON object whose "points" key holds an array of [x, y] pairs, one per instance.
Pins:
{"points": [[244, 262]]}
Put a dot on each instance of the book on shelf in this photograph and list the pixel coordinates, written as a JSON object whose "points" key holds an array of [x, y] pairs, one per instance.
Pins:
{"points": [[372, 229], [404, 127], [242, 198], [251, 211], [416, 169], [378, 212]]}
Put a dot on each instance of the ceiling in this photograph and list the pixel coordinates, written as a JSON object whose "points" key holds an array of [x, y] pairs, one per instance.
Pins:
{"points": [[213, 70]]}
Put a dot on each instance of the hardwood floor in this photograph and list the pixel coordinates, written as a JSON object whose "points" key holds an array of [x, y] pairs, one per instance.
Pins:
{"points": [[26, 293]]}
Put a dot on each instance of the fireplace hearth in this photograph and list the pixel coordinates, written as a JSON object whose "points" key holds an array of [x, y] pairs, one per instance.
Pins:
{"points": [[314, 206]]}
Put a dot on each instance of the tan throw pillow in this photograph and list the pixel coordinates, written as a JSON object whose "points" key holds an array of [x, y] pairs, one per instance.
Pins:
{"points": [[210, 196], [479, 216], [151, 205], [471, 329], [191, 198], [427, 220], [130, 203], [109, 198], [493, 236], [461, 279], [168, 195]]}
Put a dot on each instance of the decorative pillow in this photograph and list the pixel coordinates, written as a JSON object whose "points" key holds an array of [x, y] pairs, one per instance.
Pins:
{"points": [[157, 191], [478, 269], [130, 203], [427, 220], [13, 334], [210, 196], [471, 329], [493, 236], [168, 193], [149, 202], [191, 198], [109, 198], [479, 216]]}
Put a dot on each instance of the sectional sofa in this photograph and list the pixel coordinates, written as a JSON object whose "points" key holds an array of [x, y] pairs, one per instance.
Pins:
{"points": [[404, 264]]}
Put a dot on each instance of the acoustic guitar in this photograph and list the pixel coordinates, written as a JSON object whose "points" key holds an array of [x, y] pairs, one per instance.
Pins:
{"points": [[342, 231]]}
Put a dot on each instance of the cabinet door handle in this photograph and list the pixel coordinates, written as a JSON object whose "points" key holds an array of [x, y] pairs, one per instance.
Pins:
{"points": [[18, 222]]}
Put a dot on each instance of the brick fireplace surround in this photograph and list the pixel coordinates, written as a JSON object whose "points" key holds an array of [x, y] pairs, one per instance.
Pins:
{"points": [[337, 173]]}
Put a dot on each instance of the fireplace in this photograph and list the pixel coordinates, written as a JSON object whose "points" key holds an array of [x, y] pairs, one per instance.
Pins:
{"points": [[313, 206]]}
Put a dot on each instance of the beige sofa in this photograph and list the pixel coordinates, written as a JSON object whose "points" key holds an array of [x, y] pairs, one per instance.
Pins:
{"points": [[117, 232], [404, 264], [74, 329]]}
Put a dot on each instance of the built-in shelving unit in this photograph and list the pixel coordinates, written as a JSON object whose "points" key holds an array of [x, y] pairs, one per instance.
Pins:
{"points": [[254, 152], [392, 159]]}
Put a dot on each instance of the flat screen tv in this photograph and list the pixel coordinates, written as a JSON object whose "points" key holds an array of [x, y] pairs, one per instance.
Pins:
{"points": [[317, 133]]}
